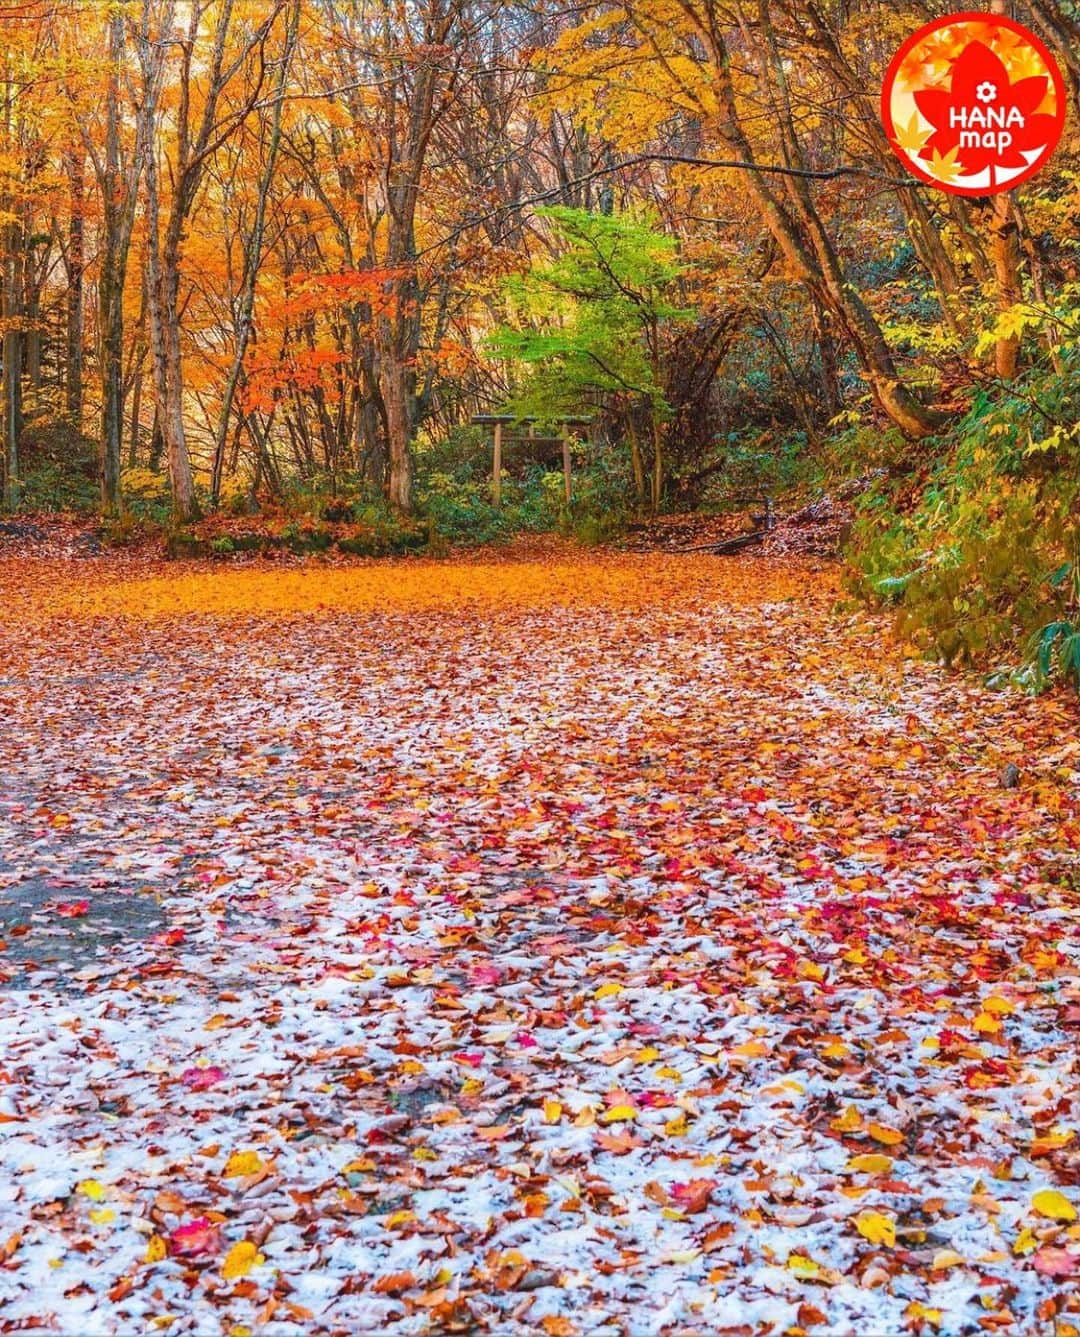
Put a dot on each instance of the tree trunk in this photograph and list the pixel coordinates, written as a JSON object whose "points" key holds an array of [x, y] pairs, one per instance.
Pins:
{"points": [[832, 397], [657, 478], [136, 414], [111, 320], [9, 309], [12, 355], [394, 383], [162, 294], [76, 268], [1006, 256], [118, 208], [252, 260], [637, 465], [1005, 253], [809, 249]]}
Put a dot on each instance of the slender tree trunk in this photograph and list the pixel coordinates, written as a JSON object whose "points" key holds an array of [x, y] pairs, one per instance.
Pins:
{"points": [[1005, 253], [111, 322], [637, 465], [136, 414], [11, 349], [32, 307], [253, 259], [162, 293], [157, 445], [396, 394], [657, 478], [118, 216], [827, 354], [1030, 248], [12, 355], [76, 268]]}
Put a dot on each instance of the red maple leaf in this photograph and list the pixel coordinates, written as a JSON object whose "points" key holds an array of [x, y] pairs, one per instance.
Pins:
{"points": [[197, 1239], [72, 909], [202, 1079], [982, 101]]}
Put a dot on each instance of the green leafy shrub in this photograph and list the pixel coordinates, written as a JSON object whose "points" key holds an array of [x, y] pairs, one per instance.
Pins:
{"points": [[972, 557], [58, 468], [453, 488], [146, 494]]}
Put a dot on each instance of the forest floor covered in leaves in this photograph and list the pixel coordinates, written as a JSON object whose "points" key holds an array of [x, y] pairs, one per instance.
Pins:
{"points": [[590, 945]]}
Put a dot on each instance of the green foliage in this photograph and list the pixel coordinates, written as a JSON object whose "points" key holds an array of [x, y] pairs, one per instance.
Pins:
{"points": [[462, 512], [454, 492], [586, 324], [598, 511], [973, 558], [453, 489], [50, 486], [58, 467], [858, 448], [146, 495], [751, 462]]}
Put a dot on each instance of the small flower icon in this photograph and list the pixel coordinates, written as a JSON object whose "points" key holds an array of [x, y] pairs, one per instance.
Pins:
{"points": [[986, 92]]}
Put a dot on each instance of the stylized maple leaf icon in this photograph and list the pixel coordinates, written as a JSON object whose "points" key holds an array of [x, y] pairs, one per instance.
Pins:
{"points": [[960, 116]]}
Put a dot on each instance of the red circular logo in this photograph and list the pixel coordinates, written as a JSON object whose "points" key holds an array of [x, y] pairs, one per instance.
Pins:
{"points": [[973, 104]]}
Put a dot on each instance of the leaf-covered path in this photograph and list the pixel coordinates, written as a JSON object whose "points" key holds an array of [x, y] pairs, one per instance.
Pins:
{"points": [[600, 946]]}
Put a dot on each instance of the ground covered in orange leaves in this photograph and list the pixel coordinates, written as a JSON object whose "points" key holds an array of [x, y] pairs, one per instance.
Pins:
{"points": [[596, 945]]}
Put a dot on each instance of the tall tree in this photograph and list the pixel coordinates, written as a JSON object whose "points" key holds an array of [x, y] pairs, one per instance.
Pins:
{"points": [[119, 160], [207, 65]]}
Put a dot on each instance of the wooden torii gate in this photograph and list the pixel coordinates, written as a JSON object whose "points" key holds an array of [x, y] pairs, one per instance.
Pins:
{"points": [[500, 421]]}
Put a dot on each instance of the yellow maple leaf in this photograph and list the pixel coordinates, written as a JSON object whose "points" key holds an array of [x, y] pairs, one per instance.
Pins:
{"points": [[1025, 1242], [1022, 63], [946, 1258], [1056, 1206], [240, 1259], [876, 1228], [848, 1122], [618, 1114], [242, 1163], [358, 1167], [156, 1249], [870, 1163], [552, 1111], [751, 1049], [881, 1132], [90, 1188], [676, 1127], [804, 1268]]}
